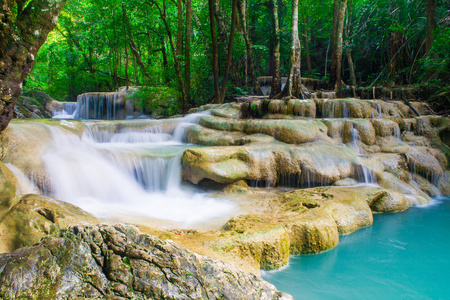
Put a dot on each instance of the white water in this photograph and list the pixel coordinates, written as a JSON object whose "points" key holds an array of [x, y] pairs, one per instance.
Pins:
{"points": [[363, 173], [130, 172], [68, 112]]}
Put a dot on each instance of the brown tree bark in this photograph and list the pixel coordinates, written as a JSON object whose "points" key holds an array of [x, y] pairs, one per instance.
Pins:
{"points": [[306, 32], [179, 44], [338, 31], [276, 74], [248, 47], [23, 30], [187, 55], [431, 23], [348, 49], [293, 84], [220, 24], [215, 56], [223, 90]]}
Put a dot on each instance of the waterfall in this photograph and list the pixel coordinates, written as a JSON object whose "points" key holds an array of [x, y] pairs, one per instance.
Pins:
{"points": [[68, 111], [336, 109], [107, 106], [363, 174], [26, 186], [179, 133], [126, 172]]}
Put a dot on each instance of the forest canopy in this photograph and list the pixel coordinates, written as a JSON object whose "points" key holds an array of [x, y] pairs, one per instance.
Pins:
{"points": [[166, 46]]}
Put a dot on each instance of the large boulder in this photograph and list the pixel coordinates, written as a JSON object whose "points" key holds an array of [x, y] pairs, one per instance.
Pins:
{"points": [[32, 217], [119, 262], [33, 104], [423, 161]]}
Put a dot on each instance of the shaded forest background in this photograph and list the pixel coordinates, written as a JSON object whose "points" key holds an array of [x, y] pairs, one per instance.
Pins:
{"points": [[166, 46]]}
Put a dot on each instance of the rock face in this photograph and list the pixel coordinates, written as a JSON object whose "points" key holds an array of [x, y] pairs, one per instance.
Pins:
{"points": [[33, 217], [25, 219], [33, 104], [119, 262]]}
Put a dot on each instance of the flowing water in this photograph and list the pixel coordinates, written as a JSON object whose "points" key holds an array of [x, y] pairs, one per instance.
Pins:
{"points": [[130, 174], [401, 256]]}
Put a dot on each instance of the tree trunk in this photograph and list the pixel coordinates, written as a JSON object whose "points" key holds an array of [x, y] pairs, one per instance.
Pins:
{"points": [[431, 23], [127, 77], [187, 55], [220, 24], [162, 13], [215, 56], [248, 46], [22, 32], [308, 55], [133, 46], [223, 90], [276, 75], [293, 84], [338, 30], [348, 49], [179, 44]]}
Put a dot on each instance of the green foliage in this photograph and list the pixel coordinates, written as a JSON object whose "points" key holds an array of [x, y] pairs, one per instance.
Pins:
{"points": [[90, 49], [159, 100], [436, 64]]}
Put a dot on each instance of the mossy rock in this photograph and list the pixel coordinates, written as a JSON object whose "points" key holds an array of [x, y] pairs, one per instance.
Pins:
{"points": [[32, 217]]}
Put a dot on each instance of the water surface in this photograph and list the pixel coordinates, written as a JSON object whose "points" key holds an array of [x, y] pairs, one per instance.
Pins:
{"points": [[401, 256]]}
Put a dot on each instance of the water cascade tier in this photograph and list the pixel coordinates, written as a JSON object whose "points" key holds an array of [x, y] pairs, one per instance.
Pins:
{"points": [[100, 106]]}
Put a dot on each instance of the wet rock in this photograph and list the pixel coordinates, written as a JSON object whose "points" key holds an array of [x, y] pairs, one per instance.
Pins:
{"points": [[33, 104], [302, 222], [387, 201], [200, 135], [32, 217], [277, 107], [219, 123], [383, 109], [23, 143], [394, 164], [227, 110], [423, 162], [307, 165], [424, 185], [385, 127], [346, 108], [8, 189], [392, 183], [289, 131], [444, 184], [302, 108], [119, 262], [364, 128]]}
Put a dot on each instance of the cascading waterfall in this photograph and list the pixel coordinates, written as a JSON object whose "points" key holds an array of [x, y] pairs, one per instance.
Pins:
{"points": [[128, 172], [68, 111], [335, 109], [107, 106], [363, 174]]}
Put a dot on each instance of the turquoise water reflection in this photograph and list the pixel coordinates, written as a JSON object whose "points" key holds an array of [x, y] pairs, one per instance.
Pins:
{"points": [[401, 256]]}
